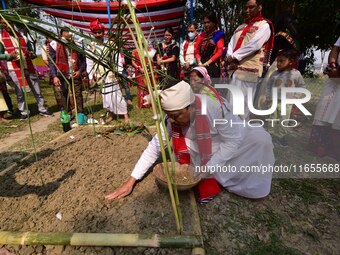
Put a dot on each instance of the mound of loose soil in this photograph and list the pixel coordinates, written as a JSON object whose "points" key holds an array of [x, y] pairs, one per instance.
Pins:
{"points": [[71, 179], [72, 176]]}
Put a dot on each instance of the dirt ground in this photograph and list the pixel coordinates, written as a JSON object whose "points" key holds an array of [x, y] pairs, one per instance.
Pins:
{"points": [[73, 182], [38, 126], [73, 175]]}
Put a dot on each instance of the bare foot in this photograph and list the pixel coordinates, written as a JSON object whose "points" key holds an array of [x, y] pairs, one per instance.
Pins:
{"points": [[3, 120], [126, 118], [108, 120]]}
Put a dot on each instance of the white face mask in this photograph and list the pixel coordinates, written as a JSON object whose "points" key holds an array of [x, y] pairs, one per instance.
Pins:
{"points": [[152, 52], [191, 35]]}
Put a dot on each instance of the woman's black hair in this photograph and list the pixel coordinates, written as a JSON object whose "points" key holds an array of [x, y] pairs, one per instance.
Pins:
{"points": [[212, 17], [170, 30]]}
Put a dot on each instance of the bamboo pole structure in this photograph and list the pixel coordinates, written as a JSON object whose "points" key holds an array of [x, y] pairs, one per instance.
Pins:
{"points": [[197, 224], [99, 239], [141, 46], [137, 240]]}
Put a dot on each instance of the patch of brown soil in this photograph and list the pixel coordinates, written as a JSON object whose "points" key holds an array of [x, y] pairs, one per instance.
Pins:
{"points": [[71, 179], [300, 216]]}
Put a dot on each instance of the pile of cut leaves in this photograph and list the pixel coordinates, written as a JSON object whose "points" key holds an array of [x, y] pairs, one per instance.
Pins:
{"points": [[129, 129]]}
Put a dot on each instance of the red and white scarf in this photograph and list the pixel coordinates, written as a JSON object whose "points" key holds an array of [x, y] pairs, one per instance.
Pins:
{"points": [[10, 47], [203, 137], [207, 188]]}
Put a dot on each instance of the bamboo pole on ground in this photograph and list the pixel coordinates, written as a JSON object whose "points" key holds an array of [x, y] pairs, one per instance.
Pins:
{"points": [[99, 239], [197, 224]]}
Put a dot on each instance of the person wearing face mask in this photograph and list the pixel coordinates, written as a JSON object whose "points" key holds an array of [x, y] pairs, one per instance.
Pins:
{"points": [[167, 56], [68, 66], [186, 56], [209, 46]]}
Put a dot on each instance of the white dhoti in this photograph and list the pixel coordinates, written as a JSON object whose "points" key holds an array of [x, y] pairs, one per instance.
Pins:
{"points": [[113, 99], [255, 152], [244, 85]]}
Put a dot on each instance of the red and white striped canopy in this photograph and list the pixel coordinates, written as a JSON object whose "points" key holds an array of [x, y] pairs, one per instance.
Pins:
{"points": [[152, 14]]}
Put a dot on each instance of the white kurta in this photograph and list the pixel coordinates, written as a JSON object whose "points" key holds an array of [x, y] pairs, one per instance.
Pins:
{"points": [[232, 145], [113, 99], [189, 56], [256, 43]]}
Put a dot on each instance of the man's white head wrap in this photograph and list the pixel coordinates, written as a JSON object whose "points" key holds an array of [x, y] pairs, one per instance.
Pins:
{"points": [[177, 97]]}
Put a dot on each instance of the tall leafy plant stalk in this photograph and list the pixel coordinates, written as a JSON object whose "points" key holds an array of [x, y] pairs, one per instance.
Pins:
{"points": [[24, 83], [73, 89], [141, 45], [142, 49]]}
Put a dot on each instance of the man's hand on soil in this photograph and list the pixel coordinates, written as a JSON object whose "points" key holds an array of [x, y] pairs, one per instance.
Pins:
{"points": [[123, 191]]}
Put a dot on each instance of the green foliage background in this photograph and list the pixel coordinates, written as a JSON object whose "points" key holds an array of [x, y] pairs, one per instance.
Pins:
{"points": [[318, 21]]}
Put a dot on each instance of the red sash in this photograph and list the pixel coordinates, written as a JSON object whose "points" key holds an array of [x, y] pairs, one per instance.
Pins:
{"points": [[7, 41], [207, 188], [268, 45], [185, 48]]}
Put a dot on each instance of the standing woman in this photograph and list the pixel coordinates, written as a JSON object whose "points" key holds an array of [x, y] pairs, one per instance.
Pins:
{"points": [[209, 46], [140, 77], [168, 54]]}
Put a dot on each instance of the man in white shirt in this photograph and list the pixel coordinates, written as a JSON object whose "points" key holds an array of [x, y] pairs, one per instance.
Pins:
{"points": [[209, 145], [247, 50], [113, 100]]}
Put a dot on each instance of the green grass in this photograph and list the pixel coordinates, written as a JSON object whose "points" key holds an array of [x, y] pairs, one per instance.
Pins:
{"points": [[139, 116], [274, 246], [143, 116], [307, 190], [16, 124]]}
